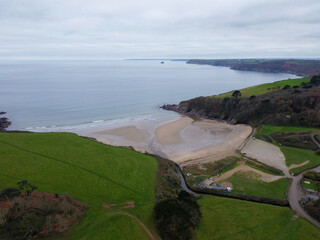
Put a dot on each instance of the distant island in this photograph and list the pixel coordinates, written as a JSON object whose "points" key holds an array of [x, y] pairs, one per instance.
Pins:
{"points": [[305, 68]]}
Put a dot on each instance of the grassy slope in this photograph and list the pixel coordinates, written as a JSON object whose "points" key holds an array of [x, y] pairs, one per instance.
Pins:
{"points": [[268, 129], [234, 219], [242, 183], [298, 156], [293, 155], [263, 88], [90, 172]]}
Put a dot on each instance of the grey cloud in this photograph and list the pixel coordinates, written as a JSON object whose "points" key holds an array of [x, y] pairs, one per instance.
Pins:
{"points": [[141, 28]]}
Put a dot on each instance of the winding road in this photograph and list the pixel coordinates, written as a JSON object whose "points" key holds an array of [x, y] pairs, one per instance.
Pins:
{"points": [[294, 196], [314, 139], [295, 193]]}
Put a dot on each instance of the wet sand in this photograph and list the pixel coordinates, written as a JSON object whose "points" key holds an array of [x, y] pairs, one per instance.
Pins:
{"points": [[130, 133], [184, 141], [169, 134]]}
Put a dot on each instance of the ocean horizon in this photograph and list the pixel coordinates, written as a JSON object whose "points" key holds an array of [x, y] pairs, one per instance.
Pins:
{"points": [[57, 95]]}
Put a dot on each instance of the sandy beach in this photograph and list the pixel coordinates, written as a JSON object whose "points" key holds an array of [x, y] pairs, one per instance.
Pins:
{"points": [[169, 134], [184, 141], [130, 133]]}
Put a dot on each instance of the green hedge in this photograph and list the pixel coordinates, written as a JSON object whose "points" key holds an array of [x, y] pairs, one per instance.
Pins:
{"points": [[251, 198]]}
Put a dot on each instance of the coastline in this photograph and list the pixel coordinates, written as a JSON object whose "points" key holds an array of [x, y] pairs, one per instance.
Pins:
{"points": [[183, 141]]}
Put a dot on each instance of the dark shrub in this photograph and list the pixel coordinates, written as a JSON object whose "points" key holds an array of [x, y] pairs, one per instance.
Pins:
{"points": [[9, 193], [172, 220], [177, 217], [25, 226], [313, 208], [252, 97], [312, 175], [295, 139], [4, 122], [266, 138], [306, 85], [315, 80], [286, 87], [242, 196], [236, 94]]}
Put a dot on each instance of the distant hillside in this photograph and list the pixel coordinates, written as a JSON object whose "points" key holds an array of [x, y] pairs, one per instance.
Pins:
{"points": [[304, 68], [267, 87], [289, 106]]}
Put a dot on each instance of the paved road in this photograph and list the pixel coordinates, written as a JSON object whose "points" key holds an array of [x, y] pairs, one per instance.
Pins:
{"points": [[295, 193], [314, 139], [183, 182], [294, 196]]}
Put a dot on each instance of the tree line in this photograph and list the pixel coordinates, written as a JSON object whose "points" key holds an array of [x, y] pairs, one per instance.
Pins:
{"points": [[290, 106]]}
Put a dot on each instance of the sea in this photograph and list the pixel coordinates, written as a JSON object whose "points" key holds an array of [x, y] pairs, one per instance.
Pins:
{"points": [[44, 96]]}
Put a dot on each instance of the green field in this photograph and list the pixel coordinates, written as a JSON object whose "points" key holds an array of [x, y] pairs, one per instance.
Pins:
{"points": [[267, 87], [298, 156], [249, 184], [90, 172], [312, 185], [268, 129], [235, 219], [97, 174]]}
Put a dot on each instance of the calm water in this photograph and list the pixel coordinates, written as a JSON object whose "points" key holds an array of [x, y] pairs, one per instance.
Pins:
{"points": [[61, 94]]}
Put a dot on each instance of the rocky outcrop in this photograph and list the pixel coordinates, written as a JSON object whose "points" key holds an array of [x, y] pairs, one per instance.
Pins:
{"points": [[4, 122]]}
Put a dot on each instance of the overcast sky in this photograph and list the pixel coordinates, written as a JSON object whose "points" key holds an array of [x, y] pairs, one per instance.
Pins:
{"points": [[117, 29]]}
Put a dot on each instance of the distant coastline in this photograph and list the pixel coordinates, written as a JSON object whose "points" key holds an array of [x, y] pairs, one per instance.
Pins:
{"points": [[304, 68]]}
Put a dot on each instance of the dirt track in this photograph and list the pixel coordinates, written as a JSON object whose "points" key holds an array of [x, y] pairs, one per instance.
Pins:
{"points": [[129, 204], [141, 224]]}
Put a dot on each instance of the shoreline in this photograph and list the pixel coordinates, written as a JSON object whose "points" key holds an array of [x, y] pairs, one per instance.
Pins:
{"points": [[184, 141]]}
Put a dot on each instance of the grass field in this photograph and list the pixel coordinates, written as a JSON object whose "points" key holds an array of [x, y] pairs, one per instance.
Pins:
{"points": [[250, 185], [235, 219], [268, 129], [312, 185], [298, 156], [90, 172], [267, 87]]}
